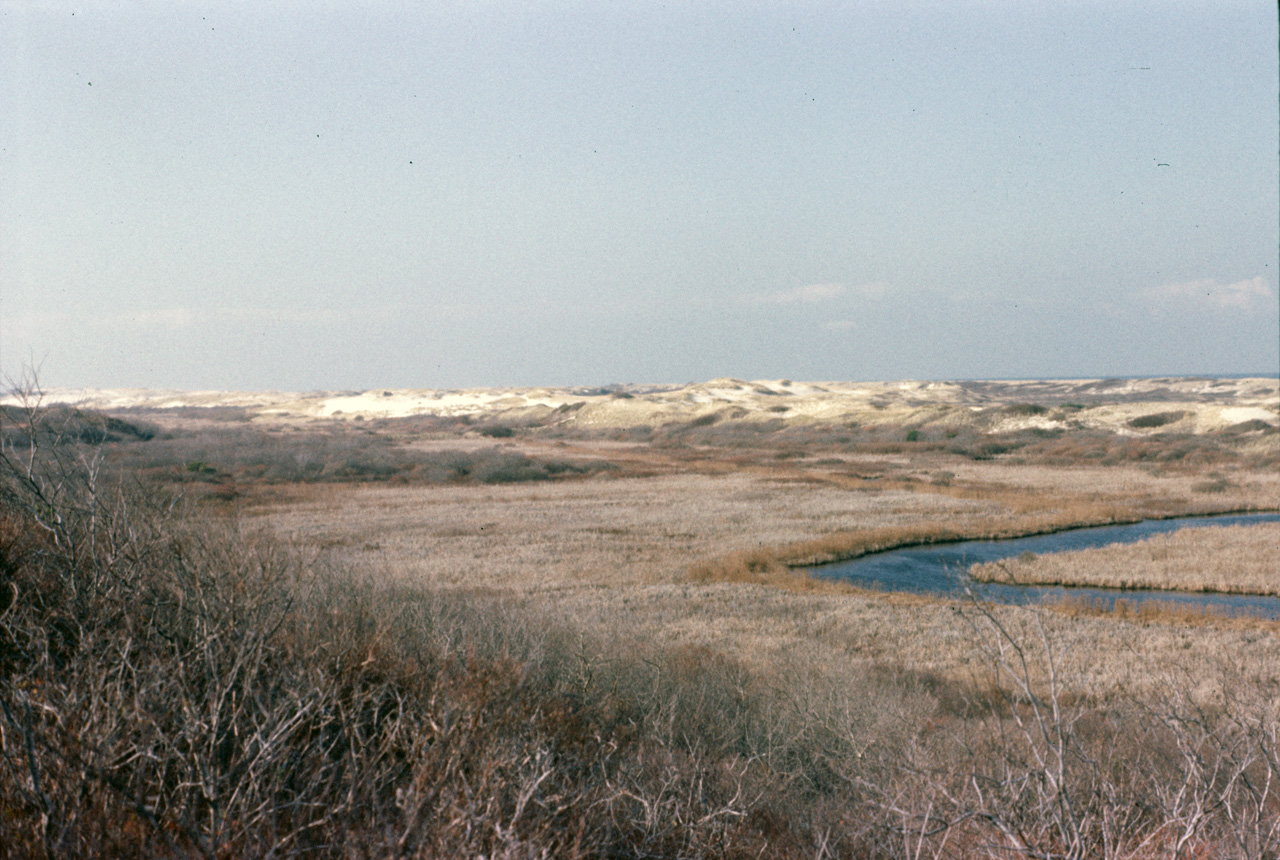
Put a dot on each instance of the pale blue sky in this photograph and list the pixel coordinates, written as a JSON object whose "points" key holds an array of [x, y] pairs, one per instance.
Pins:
{"points": [[347, 195]]}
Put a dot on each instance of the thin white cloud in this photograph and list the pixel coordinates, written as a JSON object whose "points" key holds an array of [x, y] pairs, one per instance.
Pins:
{"points": [[1254, 294], [810, 294]]}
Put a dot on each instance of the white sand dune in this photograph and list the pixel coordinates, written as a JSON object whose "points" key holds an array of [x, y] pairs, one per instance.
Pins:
{"points": [[1189, 405]]}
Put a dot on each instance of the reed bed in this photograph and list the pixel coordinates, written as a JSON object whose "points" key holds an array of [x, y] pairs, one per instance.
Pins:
{"points": [[703, 559], [1227, 559], [405, 724], [528, 671], [175, 685]]}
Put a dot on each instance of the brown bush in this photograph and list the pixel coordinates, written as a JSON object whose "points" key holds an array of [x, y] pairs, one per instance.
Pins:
{"points": [[172, 685]]}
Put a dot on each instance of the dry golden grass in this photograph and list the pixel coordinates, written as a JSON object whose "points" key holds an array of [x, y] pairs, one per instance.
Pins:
{"points": [[1148, 612], [1042, 501], [573, 669], [1232, 559], [701, 560], [693, 547], [844, 545], [593, 533]]}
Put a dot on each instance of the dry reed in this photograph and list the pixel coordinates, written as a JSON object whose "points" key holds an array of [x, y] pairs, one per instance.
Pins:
{"points": [[1231, 560], [175, 685]]}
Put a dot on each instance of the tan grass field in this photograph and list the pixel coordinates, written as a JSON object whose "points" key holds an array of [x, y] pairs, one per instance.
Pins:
{"points": [[570, 622], [1230, 559], [719, 490], [692, 541], [699, 551], [638, 559]]}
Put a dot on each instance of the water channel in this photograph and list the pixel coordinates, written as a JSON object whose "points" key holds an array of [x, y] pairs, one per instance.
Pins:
{"points": [[942, 568]]}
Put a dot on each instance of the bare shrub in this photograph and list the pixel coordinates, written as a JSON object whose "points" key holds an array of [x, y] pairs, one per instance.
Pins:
{"points": [[1050, 773], [173, 684]]}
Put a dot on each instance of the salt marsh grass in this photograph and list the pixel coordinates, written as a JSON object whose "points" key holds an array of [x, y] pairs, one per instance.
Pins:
{"points": [[573, 668], [703, 560], [1228, 559], [196, 689]]}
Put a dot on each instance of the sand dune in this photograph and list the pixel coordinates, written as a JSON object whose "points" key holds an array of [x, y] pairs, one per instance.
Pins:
{"points": [[1129, 406]]}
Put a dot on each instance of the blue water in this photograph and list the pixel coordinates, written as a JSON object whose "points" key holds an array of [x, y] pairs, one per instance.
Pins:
{"points": [[941, 568]]}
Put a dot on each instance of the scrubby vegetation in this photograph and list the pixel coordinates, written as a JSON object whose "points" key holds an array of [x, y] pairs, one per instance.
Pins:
{"points": [[230, 459], [176, 683], [63, 424], [1158, 419], [1050, 446]]}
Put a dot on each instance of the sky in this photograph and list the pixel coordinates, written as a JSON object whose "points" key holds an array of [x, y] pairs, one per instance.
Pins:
{"points": [[347, 195]]}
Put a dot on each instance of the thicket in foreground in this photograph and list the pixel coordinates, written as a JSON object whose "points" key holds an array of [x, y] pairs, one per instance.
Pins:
{"points": [[171, 686]]}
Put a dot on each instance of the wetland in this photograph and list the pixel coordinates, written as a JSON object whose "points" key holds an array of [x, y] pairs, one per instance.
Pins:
{"points": [[581, 620], [944, 570]]}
